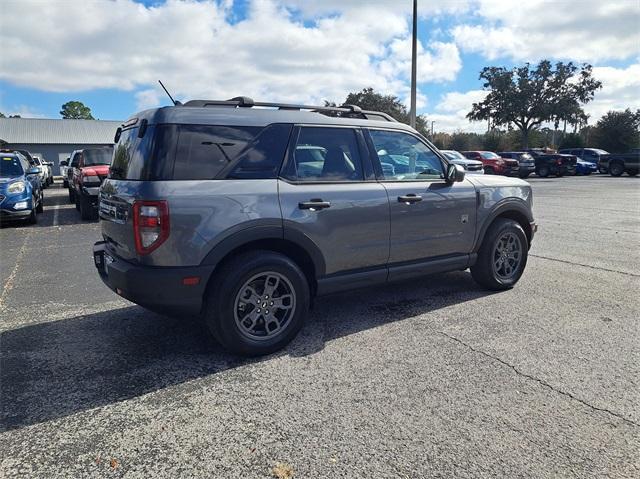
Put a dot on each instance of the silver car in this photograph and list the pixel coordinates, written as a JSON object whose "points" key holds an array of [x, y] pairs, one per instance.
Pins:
{"points": [[242, 215], [473, 167]]}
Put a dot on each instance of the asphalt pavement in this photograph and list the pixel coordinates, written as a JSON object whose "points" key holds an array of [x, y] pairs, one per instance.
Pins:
{"points": [[436, 378]]}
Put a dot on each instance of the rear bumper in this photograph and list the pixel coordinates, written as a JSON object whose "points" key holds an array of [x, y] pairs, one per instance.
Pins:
{"points": [[151, 286]]}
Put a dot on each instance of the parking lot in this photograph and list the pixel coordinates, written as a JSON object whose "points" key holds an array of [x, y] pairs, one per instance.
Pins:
{"points": [[433, 378]]}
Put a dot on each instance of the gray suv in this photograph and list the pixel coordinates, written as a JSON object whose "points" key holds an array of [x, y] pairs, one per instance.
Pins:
{"points": [[242, 212]]}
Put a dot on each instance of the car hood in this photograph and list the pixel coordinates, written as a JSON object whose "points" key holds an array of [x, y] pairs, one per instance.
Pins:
{"points": [[496, 181]]}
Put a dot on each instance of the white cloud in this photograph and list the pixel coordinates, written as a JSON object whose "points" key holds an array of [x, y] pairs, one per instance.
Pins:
{"points": [[199, 53], [588, 30], [450, 113], [620, 90]]}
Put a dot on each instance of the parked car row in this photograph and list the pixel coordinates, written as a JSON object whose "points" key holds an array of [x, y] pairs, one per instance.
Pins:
{"points": [[85, 172], [21, 188], [544, 163]]}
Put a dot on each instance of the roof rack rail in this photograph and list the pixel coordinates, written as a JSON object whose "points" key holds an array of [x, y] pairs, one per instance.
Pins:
{"points": [[344, 111]]}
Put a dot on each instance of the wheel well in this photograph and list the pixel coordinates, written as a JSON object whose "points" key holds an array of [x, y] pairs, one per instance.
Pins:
{"points": [[287, 248], [521, 218]]}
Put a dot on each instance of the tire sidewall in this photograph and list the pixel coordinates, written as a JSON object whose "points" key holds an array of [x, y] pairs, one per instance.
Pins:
{"points": [[616, 169], [219, 312]]}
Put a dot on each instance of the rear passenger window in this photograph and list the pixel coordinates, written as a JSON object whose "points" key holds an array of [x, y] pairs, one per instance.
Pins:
{"points": [[203, 151], [326, 154]]}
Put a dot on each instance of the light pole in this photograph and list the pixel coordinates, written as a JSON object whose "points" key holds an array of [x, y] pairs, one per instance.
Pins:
{"points": [[414, 43]]}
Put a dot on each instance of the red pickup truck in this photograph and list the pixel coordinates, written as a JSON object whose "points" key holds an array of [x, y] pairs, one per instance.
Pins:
{"points": [[88, 174], [494, 164]]}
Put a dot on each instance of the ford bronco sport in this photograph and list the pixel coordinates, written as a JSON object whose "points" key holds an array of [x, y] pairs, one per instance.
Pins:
{"points": [[242, 215]]}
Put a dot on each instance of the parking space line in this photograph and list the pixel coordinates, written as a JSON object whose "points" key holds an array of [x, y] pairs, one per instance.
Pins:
{"points": [[583, 265], [56, 213], [8, 284]]}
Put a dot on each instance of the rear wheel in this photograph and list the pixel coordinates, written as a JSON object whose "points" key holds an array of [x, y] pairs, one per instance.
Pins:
{"points": [[488, 170], [257, 304], [616, 168], [502, 256]]}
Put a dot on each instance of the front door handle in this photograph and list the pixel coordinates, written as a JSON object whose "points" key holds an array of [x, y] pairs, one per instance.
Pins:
{"points": [[410, 198], [314, 204]]}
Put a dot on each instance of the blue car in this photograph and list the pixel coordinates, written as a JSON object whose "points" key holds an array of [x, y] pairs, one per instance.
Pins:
{"points": [[21, 196], [585, 167]]}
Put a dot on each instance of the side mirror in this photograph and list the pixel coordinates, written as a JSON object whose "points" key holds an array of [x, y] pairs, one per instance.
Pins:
{"points": [[455, 173], [33, 171], [64, 163]]}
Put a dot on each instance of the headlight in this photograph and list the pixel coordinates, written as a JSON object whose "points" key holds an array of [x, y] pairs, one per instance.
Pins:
{"points": [[500, 162], [17, 187]]}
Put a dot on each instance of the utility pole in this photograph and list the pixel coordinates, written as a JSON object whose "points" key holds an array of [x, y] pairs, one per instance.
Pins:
{"points": [[414, 45]]}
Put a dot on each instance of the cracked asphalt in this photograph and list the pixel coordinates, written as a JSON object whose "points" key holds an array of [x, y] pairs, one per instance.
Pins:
{"points": [[434, 378]]}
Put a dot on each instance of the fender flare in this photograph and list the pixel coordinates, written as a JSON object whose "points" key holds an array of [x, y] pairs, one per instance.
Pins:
{"points": [[250, 234], [504, 206]]}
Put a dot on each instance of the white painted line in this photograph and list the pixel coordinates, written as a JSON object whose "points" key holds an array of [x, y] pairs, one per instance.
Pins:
{"points": [[8, 284], [56, 213]]}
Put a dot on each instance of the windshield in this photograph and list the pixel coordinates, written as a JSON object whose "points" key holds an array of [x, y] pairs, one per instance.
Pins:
{"points": [[10, 166], [454, 155], [97, 157], [489, 155], [601, 152]]}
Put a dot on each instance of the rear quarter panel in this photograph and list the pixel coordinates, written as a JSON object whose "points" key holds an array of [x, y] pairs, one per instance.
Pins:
{"points": [[201, 214]]}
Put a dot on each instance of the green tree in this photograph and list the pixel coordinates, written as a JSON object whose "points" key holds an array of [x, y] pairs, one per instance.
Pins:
{"points": [[76, 110], [368, 99], [528, 96], [571, 140], [617, 131], [2, 115]]}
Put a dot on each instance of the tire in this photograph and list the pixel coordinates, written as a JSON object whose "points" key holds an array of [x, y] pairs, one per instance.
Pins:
{"points": [[250, 275], [65, 184], [33, 217], [587, 173], [72, 196], [77, 201], [616, 168], [524, 176], [487, 271], [85, 208], [543, 171], [40, 207], [489, 171]]}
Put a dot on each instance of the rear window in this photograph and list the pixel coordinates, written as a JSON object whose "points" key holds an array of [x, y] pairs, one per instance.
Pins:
{"points": [[200, 152]]}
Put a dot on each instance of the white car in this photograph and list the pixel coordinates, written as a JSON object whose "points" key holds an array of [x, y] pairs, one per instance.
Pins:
{"points": [[63, 165], [45, 177], [472, 167]]}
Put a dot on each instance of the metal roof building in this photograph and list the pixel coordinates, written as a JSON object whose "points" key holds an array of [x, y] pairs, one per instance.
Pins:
{"points": [[54, 140]]}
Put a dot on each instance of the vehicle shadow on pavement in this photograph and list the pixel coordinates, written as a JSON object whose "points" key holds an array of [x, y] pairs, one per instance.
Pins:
{"points": [[54, 369]]}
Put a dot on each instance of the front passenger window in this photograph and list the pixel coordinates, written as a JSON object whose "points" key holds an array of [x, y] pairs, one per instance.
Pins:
{"points": [[404, 157]]}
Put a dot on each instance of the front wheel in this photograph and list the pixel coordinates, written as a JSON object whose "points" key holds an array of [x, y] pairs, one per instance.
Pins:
{"points": [[543, 171], [33, 216], [40, 207], [524, 175], [257, 303], [72, 195], [502, 256], [86, 209]]}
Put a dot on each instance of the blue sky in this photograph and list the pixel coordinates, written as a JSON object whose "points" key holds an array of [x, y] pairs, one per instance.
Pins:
{"points": [[302, 51]]}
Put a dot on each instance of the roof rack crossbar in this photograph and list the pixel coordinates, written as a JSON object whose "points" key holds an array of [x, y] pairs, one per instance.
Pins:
{"points": [[351, 111]]}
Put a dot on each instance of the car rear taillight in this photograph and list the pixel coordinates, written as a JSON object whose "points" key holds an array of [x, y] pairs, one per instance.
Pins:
{"points": [[150, 225]]}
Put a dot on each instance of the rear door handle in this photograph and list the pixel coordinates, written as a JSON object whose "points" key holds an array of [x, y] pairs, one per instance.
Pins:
{"points": [[314, 204], [410, 198]]}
